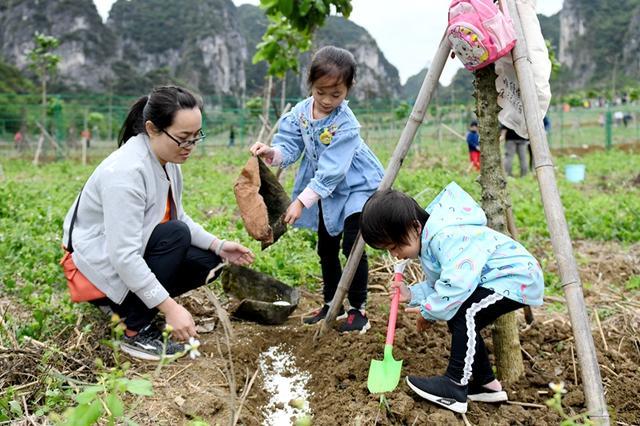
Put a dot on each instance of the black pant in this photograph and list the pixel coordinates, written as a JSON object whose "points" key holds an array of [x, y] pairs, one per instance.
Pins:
{"points": [[468, 353], [178, 266], [329, 252]]}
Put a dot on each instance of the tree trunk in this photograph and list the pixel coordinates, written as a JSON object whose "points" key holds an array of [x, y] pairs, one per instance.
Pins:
{"points": [[496, 202]]}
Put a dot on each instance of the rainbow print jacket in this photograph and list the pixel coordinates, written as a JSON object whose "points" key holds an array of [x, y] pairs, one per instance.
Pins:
{"points": [[459, 253]]}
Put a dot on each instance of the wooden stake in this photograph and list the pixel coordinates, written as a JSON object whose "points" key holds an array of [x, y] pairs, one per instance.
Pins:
{"points": [[84, 151], [36, 157], [418, 113], [557, 224]]}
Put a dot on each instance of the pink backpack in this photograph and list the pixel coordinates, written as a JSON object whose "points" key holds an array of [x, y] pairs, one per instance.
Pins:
{"points": [[479, 32]]}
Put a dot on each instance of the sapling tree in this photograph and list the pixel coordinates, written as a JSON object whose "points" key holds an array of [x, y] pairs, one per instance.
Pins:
{"points": [[44, 63], [290, 32], [496, 203]]}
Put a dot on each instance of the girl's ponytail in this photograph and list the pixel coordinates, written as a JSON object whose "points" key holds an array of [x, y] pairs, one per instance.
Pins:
{"points": [[134, 123]]}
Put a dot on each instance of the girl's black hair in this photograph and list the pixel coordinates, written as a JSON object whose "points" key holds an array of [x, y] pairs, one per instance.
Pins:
{"points": [[388, 217], [334, 62], [160, 107]]}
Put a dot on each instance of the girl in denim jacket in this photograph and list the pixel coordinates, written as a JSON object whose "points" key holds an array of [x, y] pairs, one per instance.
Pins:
{"points": [[473, 275], [337, 174]]}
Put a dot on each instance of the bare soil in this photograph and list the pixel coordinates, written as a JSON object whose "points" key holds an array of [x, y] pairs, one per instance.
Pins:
{"points": [[339, 364]]}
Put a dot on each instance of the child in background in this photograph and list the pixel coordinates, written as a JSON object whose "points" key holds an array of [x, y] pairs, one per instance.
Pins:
{"points": [[473, 141], [473, 276], [337, 174]]}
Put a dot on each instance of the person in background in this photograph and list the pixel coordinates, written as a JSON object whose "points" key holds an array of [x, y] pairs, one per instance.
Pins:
{"points": [[127, 231], [514, 143], [232, 137], [337, 174], [18, 141], [473, 143]]}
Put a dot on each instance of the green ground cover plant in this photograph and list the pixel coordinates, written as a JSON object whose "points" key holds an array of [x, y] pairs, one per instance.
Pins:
{"points": [[33, 202]]}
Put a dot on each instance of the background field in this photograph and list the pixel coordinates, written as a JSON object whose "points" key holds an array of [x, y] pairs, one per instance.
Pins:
{"points": [[602, 212]]}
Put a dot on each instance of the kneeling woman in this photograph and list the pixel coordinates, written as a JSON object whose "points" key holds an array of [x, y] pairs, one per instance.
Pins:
{"points": [[127, 230]]}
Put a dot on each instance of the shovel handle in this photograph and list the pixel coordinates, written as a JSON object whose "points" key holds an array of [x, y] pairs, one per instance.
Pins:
{"points": [[393, 313]]}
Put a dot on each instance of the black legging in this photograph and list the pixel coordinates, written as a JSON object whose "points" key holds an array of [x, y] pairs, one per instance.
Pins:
{"points": [[178, 266], [329, 252], [469, 356]]}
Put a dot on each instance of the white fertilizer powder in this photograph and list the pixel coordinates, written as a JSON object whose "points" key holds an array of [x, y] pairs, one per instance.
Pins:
{"points": [[284, 382]]}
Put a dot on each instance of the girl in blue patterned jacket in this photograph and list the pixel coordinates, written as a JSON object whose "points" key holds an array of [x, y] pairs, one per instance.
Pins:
{"points": [[473, 276], [337, 174]]}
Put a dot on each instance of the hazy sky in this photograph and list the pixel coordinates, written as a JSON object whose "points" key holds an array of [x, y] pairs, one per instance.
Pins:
{"points": [[408, 32]]}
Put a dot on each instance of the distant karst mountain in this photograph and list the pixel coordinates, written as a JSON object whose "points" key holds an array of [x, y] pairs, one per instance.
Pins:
{"points": [[203, 44], [208, 45]]}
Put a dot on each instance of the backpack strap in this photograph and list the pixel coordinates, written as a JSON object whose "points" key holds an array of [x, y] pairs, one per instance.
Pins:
{"points": [[73, 221]]}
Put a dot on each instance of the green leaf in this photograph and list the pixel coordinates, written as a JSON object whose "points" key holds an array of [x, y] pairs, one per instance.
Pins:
{"points": [[15, 408], [319, 4], [140, 387], [88, 395], [286, 7], [304, 7], [84, 415], [114, 404]]}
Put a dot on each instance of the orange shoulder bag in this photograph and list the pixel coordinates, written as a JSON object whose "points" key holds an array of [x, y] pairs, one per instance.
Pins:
{"points": [[80, 288]]}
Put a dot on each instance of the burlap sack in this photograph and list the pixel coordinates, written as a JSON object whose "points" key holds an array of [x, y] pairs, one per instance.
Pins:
{"points": [[262, 202]]}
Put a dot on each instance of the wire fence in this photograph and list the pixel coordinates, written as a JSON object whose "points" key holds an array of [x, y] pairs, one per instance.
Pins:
{"points": [[70, 118]]}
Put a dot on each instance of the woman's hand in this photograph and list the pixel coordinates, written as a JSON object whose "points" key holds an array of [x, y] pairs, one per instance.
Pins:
{"points": [[405, 293], [236, 253], [293, 212], [261, 150], [179, 319]]}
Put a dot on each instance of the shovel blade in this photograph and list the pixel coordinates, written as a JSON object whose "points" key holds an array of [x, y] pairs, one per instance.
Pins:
{"points": [[384, 375]]}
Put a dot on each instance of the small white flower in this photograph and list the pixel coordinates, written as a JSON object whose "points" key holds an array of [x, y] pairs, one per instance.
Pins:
{"points": [[192, 347], [557, 387]]}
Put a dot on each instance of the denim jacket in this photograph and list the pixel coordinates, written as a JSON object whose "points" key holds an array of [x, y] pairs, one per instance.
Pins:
{"points": [[459, 253], [337, 164]]}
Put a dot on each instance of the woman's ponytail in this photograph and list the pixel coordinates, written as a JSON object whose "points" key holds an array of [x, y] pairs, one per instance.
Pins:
{"points": [[134, 123]]}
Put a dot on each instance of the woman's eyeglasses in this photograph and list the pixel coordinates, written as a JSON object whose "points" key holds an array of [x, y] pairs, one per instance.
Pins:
{"points": [[186, 143]]}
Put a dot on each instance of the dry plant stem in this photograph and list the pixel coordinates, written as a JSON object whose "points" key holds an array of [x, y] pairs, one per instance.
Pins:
{"points": [[244, 395], [604, 341], [526, 404], [220, 311], [6, 329], [466, 420], [229, 376]]}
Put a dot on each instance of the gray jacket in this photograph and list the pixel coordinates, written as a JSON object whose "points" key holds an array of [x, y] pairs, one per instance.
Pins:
{"points": [[121, 203]]}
